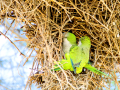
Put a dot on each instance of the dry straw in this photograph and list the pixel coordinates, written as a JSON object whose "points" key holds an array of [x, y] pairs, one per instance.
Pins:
{"points": [[44, 22]]}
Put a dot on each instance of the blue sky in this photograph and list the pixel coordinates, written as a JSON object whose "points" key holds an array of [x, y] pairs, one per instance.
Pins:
{"points": [[13, 77]]}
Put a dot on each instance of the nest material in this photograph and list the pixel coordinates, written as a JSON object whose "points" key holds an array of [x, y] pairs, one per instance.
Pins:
{"points": [[44, 22]]}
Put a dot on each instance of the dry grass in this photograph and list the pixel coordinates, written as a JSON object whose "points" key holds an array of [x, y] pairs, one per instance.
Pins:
{"points": [[45, 20]]}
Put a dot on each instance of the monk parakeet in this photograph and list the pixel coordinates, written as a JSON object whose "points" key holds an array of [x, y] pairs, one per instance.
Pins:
{"points": [[69, 40], [78, 57]]}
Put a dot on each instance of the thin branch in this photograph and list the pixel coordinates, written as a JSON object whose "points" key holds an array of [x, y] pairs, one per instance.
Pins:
{"points": [[13, 44]]}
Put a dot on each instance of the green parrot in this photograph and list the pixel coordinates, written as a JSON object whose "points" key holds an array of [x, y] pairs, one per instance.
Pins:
{"points": [[66, 65], [78, 57], [69, 40]]}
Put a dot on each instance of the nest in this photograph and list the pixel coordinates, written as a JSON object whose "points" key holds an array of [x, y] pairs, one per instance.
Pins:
{"points": [[46, 20]]}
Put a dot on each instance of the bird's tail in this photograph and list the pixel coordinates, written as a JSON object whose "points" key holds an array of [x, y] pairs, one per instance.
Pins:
{"points": [[89, 67], [56, 67], [60, 64], [63, 64]]}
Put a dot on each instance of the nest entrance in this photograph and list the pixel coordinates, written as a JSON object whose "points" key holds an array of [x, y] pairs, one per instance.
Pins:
{"points": [[44, 22]]}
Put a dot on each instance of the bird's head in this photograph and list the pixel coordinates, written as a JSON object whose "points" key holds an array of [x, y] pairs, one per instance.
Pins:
{"points": [[84, 40], [70, 37]]}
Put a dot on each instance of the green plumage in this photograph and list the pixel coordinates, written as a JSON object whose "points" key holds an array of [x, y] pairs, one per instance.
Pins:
{"points": [[77, 56], [89, 67], [65, 64]]}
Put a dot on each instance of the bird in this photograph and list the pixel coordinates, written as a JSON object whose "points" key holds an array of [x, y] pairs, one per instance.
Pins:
{"points": [[69, 40], [77, 56]]}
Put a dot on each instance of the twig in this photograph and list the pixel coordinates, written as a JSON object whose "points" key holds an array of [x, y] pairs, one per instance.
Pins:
{"points": [[13, 44]]}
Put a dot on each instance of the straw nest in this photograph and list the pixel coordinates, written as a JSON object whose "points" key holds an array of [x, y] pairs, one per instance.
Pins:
{"points": [[46, 20]]}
